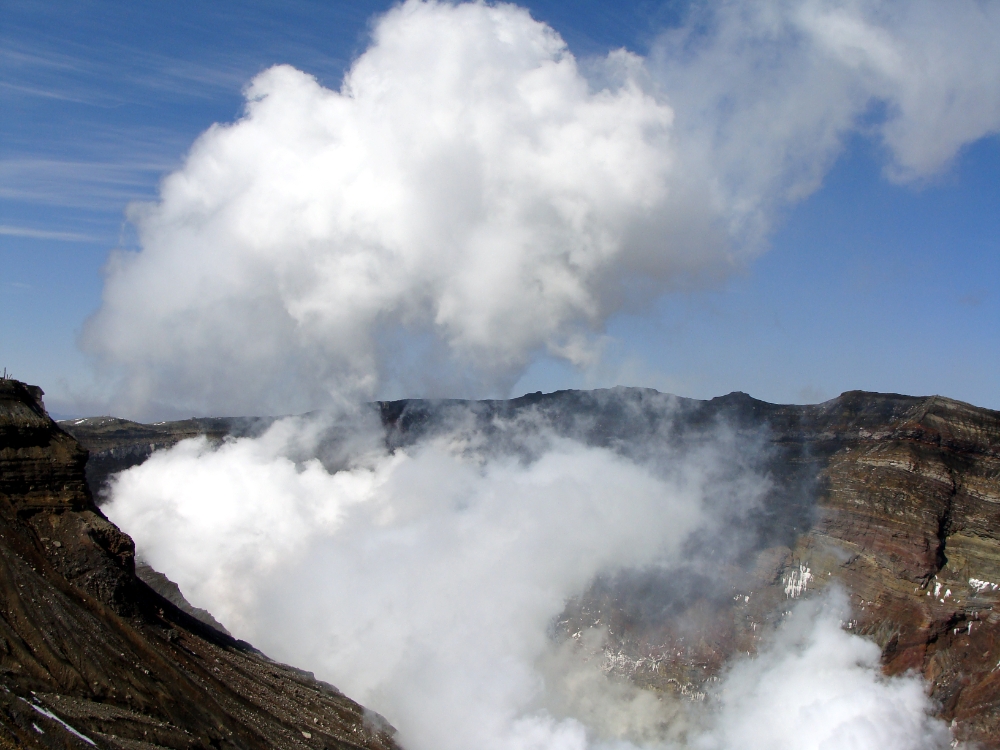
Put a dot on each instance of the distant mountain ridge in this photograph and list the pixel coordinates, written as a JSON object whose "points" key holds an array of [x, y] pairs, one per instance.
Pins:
{"points": [[115, 444]]}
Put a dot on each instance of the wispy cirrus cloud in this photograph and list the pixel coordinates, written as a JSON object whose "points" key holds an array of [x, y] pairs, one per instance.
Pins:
{"points": [[41, 92], [74, 73], [7, 230], [105, 161], [92, 185]]}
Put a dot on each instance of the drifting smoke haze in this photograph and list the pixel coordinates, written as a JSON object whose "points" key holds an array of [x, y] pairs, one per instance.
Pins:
{"points": [[470, 198], [473, 196], [425, 582]]}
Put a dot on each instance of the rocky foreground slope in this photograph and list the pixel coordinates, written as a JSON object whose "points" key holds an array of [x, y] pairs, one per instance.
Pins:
{"points": [[90, 656], [896, 498]]}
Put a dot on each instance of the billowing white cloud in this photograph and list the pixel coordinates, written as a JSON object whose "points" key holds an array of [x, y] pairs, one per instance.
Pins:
{"points": [[425, 583], [766, 92], [465, 183], [469, 198]]}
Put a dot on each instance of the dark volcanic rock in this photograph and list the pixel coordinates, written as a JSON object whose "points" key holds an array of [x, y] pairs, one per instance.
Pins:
{"points": [[92, 656], [172, 593]]}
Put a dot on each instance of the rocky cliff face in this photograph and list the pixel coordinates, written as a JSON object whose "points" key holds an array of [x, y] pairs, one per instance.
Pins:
{"points": [[90, 656], [895, 498]]}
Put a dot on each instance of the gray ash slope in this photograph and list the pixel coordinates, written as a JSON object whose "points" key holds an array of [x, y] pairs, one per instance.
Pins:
{"points": [[894, 497], [92, 656]]}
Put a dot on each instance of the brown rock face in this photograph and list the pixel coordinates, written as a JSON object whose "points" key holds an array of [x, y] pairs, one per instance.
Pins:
{"points": [[91, 656], [895, 498], [40, 465], [916, 507]]}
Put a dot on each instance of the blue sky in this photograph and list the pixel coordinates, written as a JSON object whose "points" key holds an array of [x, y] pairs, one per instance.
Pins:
{"points": [[864, 284], [867, 285]]}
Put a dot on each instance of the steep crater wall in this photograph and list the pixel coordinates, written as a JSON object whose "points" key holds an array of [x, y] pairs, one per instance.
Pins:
{"points": [[896, 498], [91, 656]]}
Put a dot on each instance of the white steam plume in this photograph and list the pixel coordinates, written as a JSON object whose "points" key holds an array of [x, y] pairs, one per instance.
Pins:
{"points": [[422, 583], [470, 198], [425, 584], [819, 687]]}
